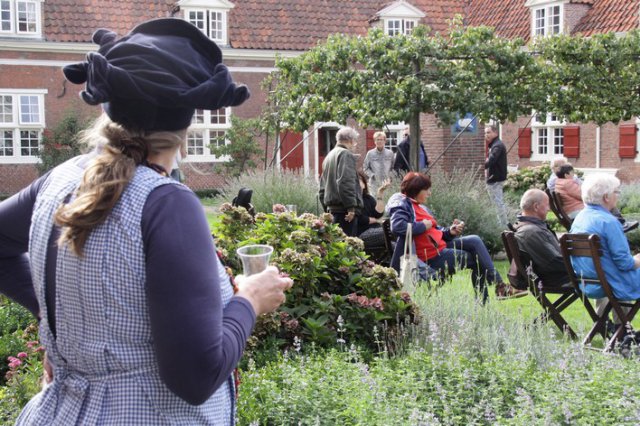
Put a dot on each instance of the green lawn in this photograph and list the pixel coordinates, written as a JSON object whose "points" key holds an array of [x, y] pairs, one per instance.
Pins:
{"points": [[211, 206]]}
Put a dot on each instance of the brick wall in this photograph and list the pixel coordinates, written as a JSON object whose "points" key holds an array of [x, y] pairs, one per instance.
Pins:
{"points": [[468, 151], [628, 169], [14, 177], [573, 13], [62, 99]]}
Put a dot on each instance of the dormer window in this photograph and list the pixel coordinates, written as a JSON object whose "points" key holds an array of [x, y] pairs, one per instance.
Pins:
{"points": [[209, 16], [399, 26], [546, 17], [400, 18], [20, 18]]}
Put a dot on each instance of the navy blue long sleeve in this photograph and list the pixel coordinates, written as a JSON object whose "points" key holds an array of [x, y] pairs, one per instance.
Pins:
{"points": [[15, 272], [197, 342]]}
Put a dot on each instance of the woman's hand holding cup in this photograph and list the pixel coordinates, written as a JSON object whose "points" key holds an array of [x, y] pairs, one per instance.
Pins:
{"points": [[264, 290]]}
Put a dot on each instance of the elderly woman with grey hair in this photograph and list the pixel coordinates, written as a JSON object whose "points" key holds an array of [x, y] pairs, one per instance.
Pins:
{"points": [[600, 194]]}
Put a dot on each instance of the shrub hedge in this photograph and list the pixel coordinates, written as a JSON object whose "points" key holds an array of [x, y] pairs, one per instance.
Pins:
{"points": [[338, 294]]}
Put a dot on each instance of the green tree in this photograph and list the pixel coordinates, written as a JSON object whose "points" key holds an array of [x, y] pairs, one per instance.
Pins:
{"points": [[61, 143], [242, 148], [592, 79], [379, 78]]}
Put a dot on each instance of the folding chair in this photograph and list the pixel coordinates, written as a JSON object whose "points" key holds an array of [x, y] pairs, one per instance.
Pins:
{"points": [[556, 207], [584, 245], [555, 203], [538, 289]]}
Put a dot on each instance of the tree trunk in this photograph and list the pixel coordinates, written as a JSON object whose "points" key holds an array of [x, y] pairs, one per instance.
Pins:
{"points": [[414, 127]]}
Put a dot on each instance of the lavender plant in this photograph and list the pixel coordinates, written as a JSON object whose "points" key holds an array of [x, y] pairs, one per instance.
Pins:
{"points": [[463, 364]]}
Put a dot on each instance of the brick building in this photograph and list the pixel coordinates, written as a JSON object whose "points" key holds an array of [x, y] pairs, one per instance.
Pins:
{"points": [[613, 148], [38, 37]]}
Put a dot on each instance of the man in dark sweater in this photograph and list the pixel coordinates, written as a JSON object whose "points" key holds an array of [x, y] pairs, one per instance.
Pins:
{"points": [[340, 191], [538, 241], [496, 169], [402, 164]]}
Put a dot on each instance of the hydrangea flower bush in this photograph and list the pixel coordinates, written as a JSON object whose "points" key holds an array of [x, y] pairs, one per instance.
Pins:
{"points": [[332, 278]]}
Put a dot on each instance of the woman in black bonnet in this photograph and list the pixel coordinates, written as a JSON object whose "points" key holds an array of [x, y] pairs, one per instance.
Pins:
{"points": [[139, 318]]}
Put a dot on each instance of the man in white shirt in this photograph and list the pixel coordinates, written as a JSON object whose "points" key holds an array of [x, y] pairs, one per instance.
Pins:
{"points": [[378, 162]]}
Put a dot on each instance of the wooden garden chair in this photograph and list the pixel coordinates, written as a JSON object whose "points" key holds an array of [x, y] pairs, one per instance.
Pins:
{"points": [[526, 273], [585, 245], [555, 203]]}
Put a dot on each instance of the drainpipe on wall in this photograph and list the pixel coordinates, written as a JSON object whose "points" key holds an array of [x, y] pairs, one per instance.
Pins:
{"points": [[597, 147]]}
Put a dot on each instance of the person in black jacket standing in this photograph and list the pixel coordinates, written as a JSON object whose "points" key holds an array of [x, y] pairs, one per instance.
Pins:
{"points": [[495, 169], [401, 164]]}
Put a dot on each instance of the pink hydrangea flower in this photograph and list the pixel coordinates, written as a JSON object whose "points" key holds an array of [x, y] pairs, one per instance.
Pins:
{"points": [[22, 355], [14, 362]]}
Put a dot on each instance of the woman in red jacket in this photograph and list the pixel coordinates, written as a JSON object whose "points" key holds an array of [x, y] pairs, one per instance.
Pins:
{"points": [[442, 248]]}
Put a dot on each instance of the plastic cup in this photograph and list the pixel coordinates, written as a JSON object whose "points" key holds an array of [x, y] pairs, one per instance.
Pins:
{"points": [[291, 208], [254, 258]]}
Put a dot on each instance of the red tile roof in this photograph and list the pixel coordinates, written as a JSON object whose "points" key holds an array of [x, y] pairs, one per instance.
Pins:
{"points": [[299, 25], [610, 15], [76, 20], [510, 18]]}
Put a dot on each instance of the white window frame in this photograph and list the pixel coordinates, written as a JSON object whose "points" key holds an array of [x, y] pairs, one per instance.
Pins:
{"points": [[546, 29], [405, 26], [18, 125], [393, 131], [549, 129], [206, 128], [208, 14], [14, 15]]}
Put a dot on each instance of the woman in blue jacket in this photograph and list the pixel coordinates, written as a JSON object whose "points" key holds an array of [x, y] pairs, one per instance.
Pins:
{"points": [[600, 193]]}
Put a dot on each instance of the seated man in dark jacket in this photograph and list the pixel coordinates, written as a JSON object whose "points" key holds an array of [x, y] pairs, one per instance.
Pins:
{"points": [[538, 241]]}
